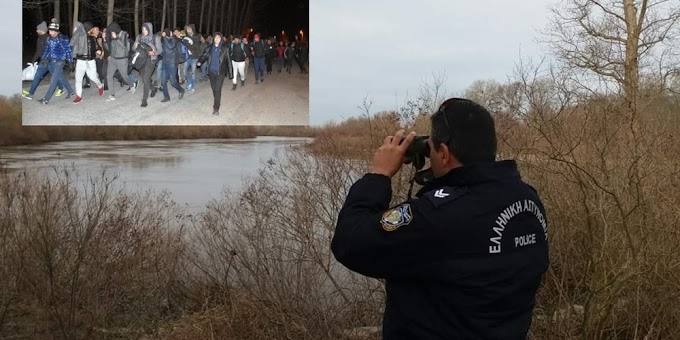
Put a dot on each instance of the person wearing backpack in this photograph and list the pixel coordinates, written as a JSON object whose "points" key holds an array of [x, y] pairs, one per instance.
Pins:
{"points": [[219, 65], [259, 49], [40, 73], [118, 46], [237, 54], [170, 58], [57, 54], [147, 46], [84, 49], [290, 56]]}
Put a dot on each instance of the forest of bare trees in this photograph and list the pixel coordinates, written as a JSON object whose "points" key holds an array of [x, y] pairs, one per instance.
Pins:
{"points": [[233, 16]]}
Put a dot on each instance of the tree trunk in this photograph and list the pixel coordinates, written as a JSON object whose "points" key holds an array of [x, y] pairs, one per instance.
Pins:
{"points": [[143, 12], [186, 19], [57, 10], [165, 3], [76, 5], [174, 15], [109, 13], [214, 26], [209, 17], [200, 23], [241, 23], [223, 16], [249, 12], [137, 25], [69, 15]]}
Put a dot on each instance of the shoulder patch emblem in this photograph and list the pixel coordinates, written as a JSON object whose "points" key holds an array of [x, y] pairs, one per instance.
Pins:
{"points": [[397, 217]]}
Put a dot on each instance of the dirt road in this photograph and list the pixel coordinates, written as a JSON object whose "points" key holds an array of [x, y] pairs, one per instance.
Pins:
{"points": [[282, 99]]}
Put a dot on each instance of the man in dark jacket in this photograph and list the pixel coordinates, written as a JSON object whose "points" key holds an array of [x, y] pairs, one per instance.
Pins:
{"points": [[219, 66], [269, 55], [238, 56], [259, 49], [57, 54], [40, 73], [170, 64], [465, 258], [153, 44]]}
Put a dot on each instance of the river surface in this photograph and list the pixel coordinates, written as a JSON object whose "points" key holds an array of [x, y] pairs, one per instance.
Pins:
{"points": [[192, 171]]}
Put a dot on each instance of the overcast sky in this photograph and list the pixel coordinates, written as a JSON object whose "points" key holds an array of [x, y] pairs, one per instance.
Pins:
{"points": [[10, 56], [385, 49]]}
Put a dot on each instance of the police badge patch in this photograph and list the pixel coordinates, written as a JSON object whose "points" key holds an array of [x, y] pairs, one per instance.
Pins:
{"points": [[397, 217]]}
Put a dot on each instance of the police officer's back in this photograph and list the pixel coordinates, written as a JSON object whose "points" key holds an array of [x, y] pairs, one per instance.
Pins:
{"points": [[462, 260]]}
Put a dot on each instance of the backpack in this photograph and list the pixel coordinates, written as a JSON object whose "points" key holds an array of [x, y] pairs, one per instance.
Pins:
{"points": [[242, 47], [140, 55]]}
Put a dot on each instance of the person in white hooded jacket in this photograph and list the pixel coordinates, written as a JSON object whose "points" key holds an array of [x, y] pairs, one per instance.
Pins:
{"points": [[85, 48]]}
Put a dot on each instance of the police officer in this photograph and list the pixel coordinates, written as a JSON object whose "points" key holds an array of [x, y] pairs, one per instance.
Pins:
{"points": [[462, 260]]}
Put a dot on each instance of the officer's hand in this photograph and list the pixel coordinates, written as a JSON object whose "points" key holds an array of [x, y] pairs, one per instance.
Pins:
{"points": [[390, 156]]}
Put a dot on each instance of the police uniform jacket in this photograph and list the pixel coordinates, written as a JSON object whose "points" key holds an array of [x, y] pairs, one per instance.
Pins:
{"points": [[462, 260]]}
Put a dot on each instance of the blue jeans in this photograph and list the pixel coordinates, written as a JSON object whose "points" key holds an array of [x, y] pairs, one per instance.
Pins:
{"points": [[170, 73], [159, 71], [56, 68], [132, 78], [191, 78], [259, 68], [204, 70], [279, 63], [39, 75]]}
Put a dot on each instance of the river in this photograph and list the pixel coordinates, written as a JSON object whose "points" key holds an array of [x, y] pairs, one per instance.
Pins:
{"points": [[192, 171]]}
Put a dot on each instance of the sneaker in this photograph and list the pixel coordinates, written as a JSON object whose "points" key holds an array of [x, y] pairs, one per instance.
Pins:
{"points": [[26, 95], [78, 100], [164, 100], [69, 95], [44, 101], [86, 86], [216, 112], [262, 80], [181, 95], [243, 82], [111, 98], [58, 92], [233, 88], [192, 90], [101, 90], [144, 104]]}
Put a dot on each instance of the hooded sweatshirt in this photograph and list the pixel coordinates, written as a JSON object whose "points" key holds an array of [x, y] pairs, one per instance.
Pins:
{"points": [[152, 40], [118, 47]]}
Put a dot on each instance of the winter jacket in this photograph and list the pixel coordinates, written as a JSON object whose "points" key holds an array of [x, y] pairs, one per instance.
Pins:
{"points": [[226, 67], [152, 40], [290, 53], [57, 49], [259, 48], [280, 50], [84, 46], [192, 42], [118, 48], [40, 47], [303, 53], [169, 55], [238, 52]]}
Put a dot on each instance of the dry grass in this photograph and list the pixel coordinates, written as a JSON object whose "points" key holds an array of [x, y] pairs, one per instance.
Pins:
{"points": [[257, 265]]}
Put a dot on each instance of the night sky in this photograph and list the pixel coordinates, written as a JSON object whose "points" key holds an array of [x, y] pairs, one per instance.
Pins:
{"points": [[269, 18]]}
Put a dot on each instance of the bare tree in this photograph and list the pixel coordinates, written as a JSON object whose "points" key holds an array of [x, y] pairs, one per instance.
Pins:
{"points": [[165, 4], [186, 19], [76, 5], [200, 23], [174, 15], [109, 12], [57, 9], [137, 17]]}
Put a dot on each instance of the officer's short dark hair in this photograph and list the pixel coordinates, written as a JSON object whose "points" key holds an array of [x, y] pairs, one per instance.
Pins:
{"points": [[466, 128]]}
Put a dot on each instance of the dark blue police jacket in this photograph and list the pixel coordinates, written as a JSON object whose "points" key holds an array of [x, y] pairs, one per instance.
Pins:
{"points": [[462, 260]]}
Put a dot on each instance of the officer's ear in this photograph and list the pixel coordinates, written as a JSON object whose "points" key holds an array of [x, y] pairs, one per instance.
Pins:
{"points": [[449, 160]]}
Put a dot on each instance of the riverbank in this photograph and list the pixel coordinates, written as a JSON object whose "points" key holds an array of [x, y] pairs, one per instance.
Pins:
{"points": [[14, 133]]}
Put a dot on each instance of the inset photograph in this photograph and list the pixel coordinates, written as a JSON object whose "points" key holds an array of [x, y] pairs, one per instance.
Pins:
{"points": [[166, 62]]}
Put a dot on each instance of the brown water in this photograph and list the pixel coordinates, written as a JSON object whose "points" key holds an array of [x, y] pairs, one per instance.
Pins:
{"points": [[192, 171]]}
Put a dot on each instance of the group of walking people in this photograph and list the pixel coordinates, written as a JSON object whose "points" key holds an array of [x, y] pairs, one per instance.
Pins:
{"points": [[107, 58]]}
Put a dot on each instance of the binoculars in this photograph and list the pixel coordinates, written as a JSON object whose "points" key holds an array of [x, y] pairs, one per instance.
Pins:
{"points": [[417, 151]]}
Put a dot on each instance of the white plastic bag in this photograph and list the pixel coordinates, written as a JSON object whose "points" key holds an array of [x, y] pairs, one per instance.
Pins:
{"points": [[29, 71]]}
